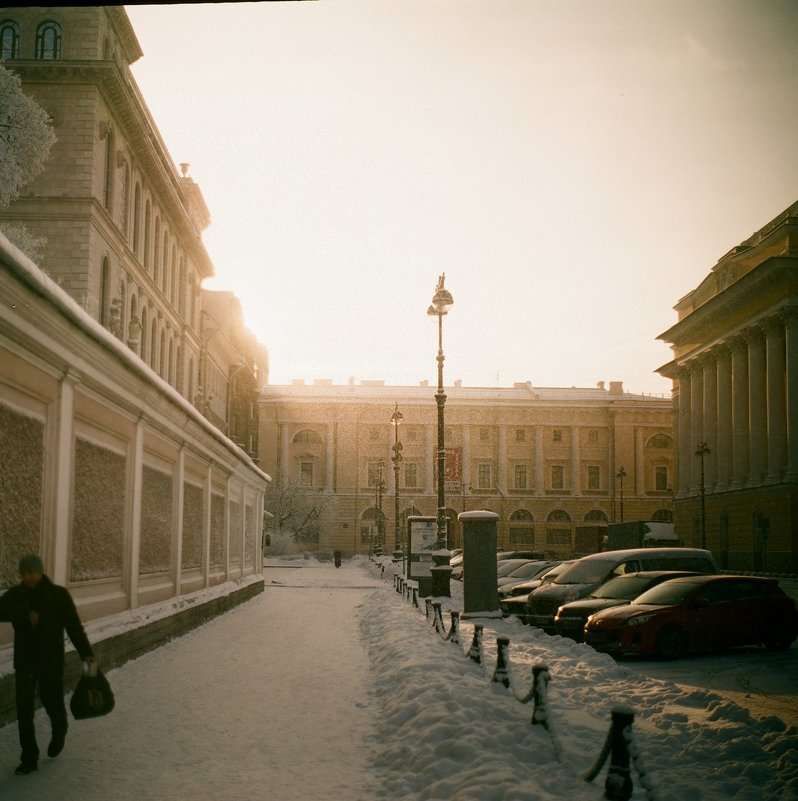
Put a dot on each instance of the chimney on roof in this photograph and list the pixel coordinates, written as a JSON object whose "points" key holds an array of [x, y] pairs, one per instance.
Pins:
{"points": [[600, 385], [616, 387]]}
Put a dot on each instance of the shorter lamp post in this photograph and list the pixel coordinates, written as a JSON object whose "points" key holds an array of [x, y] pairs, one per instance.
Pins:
{"points": [[396, 417], [701, 451], [379, 485], [621, 475]]}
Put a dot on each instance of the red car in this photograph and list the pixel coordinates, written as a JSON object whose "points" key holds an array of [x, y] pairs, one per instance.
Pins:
{"points": [[697, 613]]}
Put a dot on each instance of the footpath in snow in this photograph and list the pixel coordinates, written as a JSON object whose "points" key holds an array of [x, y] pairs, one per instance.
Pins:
{"points": [[331, 686]]}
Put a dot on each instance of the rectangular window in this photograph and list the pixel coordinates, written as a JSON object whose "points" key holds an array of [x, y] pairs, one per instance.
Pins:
{"points": [[558, 536], [592, 437], [411, 475], [484, 478], [520, 435], [375, 473], [661, 478], [557, 436], [520, 476], [306, 474], [484, 435], [557, 476], [593, 477]]}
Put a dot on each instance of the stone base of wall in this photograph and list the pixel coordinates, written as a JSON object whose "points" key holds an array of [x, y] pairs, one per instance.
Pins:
{"points": [[120, 648]]}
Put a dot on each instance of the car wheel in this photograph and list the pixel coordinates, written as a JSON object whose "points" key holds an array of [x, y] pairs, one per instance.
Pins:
{"points": [[672, 643], [778, 641]]}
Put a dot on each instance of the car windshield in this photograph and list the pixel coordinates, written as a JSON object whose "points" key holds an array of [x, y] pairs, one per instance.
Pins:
{"points": [[507, 567], [529, 570], [669, 593], [590, 571], [623, 588]]}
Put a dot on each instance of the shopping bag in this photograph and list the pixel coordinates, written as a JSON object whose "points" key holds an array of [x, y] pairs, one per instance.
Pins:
{"points": [[93, 697]]}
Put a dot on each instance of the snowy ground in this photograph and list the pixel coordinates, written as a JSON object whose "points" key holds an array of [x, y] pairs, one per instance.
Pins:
{"points": [[330, 686]]}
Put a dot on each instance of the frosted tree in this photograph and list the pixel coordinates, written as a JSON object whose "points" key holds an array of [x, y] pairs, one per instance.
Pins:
{"points": [[26, 137]]}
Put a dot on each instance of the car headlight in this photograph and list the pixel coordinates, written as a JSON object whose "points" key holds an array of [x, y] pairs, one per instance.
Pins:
{"points": [[639, 620]]}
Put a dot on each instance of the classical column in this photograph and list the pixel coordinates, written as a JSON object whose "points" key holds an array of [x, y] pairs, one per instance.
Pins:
{"points": [[329, 465], [740, 431], [466, 477], [777, 394], [791, 356], [284, 452], [696, 419], [501, 478], [710, 421], [540, 478], [683, 429], [137, 479], [757, 408], [576, 466], [640, 465], [723, 442], [181, 487], [56, 544]]}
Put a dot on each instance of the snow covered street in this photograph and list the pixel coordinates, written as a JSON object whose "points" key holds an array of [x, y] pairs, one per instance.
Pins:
{"points": [[330, 686]]}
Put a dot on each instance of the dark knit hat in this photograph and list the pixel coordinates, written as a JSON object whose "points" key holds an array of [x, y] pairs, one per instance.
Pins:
{"points": [[31, 563]]}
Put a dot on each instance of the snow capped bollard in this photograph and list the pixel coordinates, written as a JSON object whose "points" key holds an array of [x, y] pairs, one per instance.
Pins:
{"points": [[540, 682], [437, 617], [500, 674], [475, 651], [454, 631], [427, 605], [618, 785], [415, 597], [396, 579]]}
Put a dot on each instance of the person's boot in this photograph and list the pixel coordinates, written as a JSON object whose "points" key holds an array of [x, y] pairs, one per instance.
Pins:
{"points": [[24, 768], [56, 744]]}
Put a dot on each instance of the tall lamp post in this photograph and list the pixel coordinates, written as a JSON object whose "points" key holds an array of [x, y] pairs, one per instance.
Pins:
{"points": [[621, 475], [701, 451], [379, 485], [396, 417], [442, 301]]}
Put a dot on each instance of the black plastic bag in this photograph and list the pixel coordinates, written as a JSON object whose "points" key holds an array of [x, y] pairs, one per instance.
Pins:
{"points": [[93, 696]]}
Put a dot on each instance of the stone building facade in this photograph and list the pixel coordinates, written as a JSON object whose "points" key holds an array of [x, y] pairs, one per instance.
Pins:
{"points": [[122, 225], [545, 460], [735, 374]]}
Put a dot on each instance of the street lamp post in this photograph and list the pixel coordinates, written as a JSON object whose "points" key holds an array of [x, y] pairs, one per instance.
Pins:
{"points": [[701, 451], [621, 475], [442, 301], [396, 417]]}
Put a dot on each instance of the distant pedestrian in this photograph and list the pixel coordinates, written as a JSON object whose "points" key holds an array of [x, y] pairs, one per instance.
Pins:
{"points": [[40, 612], [337, 558]]}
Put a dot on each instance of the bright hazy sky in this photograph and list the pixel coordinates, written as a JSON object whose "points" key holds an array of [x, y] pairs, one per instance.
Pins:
{"points": [[573, 166]]}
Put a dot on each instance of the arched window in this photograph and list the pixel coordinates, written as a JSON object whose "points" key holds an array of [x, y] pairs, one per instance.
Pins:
{"points": [[164, 261], [307, 435], [559, 516], [9, 39], [181, 288], [108, 184], [144, 334], [522, 529], [596, 516], [147, 222], [170, 288], [48, 41], [520, 515], [157, 255], [137, 219], [154, 344], [660, 441], [662, 516]]}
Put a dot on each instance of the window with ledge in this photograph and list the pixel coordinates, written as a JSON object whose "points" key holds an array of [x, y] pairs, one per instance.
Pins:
{"points": [[520, 435], [593, 437], [484, 476], [9, 40], [661, 482], [48, 41], [557, 435], [411, 474], [519, 476], [557, 476], [484, 435], [306, 474], [593, 477]]}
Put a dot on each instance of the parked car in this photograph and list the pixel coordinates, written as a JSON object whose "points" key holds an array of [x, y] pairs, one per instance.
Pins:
{"points": [[529, 570], [538, 555], [697, 613], [513, 601], [590, 572], [571, 617], [503, 567]]}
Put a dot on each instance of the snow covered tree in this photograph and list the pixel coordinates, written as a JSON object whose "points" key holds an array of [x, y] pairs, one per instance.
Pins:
{"points": [[26, 137], [296, 510]]}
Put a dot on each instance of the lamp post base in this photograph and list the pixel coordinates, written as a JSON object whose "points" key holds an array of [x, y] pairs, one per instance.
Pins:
{"points": [[441, 574]]}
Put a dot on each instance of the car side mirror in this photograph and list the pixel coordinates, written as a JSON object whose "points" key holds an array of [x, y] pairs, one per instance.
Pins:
{"points": [[700, 603]]}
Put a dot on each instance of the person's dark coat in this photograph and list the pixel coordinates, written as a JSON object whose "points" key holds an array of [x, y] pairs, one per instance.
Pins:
{"points": [[40, 648]]}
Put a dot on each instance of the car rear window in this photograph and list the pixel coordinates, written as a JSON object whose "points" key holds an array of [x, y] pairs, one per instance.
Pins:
{"points": [[623, 587], [669, 593], [587, 572], [695, 564]]}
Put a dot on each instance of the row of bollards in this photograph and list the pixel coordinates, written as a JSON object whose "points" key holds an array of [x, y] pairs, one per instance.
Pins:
{"points": [[619, 746]]}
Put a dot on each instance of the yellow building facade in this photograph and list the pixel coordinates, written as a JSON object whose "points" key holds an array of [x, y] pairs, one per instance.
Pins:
{"points": [[546, 460], [735, 374]]}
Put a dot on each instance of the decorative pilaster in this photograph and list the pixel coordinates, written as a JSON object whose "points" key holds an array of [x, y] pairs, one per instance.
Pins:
{"points": [[757, 408], [540, 478], [329, 464], [640, 464], [710, 416], [723, 442], [501, 478], [740, 409], [284, 452], [696, 418], [777, 399], [791, 356], [683, 430], [576, 466]]}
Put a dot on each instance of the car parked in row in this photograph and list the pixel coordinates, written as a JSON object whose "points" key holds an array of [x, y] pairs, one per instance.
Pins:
{"points": [[590, 572], [525, 572], [571, 617], [697, 613], [513, 600]]}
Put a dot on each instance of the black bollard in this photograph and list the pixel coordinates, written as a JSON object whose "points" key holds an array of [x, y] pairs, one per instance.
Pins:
{"points": [[618, 785], [475, 651], [500, 674], [540, 680], [454, 631], [437, 619], [427, 605], [415, 597]]}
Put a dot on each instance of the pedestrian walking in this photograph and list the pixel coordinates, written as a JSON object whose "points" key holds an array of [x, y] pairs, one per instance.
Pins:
{"points": [[40, 612]]}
